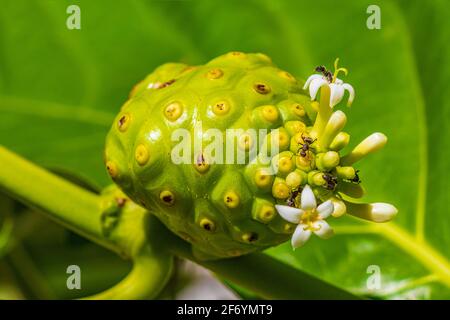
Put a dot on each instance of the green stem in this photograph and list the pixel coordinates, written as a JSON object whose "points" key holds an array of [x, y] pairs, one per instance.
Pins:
{"points": [[254, 271], [142, 236], [81, 211], [145, 281], [323, 114], [62, 201]]}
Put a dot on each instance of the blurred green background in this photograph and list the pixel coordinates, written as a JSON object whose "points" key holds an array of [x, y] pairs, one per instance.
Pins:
{"points": [[60, 89]]}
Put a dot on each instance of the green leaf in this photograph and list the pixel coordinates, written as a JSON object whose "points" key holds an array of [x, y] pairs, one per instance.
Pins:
{"points": [[60, 89]]}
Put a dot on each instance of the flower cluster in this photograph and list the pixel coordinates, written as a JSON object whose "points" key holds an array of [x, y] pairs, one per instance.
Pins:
{"points": [[325, 174]]}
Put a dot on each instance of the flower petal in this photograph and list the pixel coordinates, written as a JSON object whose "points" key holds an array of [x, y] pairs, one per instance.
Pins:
{"points": [[372, 143], [311, 78], [377, 212], [325, 209], [336, 94], [382, 212], [308, 200], [351, 91], [300, 236], [316, 84], [323, 229], [290, 214]]}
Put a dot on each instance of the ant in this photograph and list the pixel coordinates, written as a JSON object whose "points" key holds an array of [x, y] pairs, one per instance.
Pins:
{"points": [[293, 195], [331, 181], [306, 146], [325, 72], [356, 178]]}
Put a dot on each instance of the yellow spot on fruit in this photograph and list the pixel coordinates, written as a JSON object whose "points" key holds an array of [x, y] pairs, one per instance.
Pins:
{"points": [[288, 228], [201, 165], [231, 199], [221, 108], [285, 164], [207, 225], [263, 178], [270, 113], [214, 74], [112, 169], [141, 154], [318, 180], [167, 197], [261, 88], [298, 139], [283, 140], [295, 127], [249, 237], [286, 75], [293, 179], [173, 111], [305, 163], [298, 109], [123, 122], [280, 190], [266, 213]]}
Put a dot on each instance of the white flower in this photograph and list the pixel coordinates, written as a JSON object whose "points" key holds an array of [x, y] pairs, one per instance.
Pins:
{"points": [[310, 218], [337, 89], [336, 85]]}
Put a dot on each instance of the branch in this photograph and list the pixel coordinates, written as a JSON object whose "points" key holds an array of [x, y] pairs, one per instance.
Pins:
{"points": [[135, 233], [75, 208], [262, 274]]}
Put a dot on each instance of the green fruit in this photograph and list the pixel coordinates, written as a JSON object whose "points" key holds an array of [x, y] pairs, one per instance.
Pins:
{"points": [[224, 210]]}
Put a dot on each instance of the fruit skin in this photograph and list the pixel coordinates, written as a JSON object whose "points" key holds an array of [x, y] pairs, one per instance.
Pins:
{"points": [[223, 210]]}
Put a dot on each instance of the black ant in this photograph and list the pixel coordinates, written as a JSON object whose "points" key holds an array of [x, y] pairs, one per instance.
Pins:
{"points": [[356, 178], [325, 72], [292, 196], [306, 146], [331, 181], [321, 69]]}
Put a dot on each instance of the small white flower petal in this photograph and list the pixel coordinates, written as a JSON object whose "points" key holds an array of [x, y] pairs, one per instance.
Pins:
{"points": [[300, 236], [316, 84], [308, 200], [383, 212], [372, 143], [351, 91], [323, 229], [290, 214], [325, 209], [336, 94], [311, 78]]}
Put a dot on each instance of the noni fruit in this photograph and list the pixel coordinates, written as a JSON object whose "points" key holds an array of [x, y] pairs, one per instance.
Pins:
{"points": [[169, 151]]}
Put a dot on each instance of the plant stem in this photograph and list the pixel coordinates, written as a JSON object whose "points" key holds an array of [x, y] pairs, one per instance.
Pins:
{"points": [[143, 237], [262, 274], [145, 281], [323, 114], [62, 201]]}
